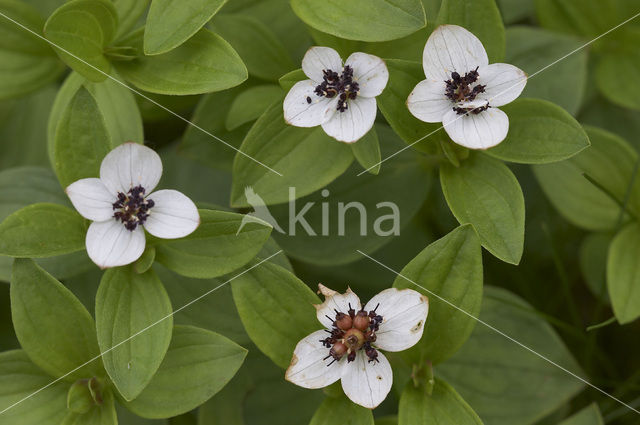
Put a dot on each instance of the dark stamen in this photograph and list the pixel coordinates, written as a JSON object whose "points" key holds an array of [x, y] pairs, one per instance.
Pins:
{"points": [[460, 89], [132, 208], [341, 85]]}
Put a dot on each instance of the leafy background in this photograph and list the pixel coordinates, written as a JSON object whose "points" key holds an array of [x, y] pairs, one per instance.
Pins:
{"points": [[565, 177]]}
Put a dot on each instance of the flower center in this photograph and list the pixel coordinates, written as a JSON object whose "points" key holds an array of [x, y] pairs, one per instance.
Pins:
{"points": [[341, 85], [463, 89], [352, 332], [132, 208]]}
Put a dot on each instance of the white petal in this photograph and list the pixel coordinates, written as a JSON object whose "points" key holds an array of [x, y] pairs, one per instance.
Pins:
{"points": [[349, 126], [477, 131], [308, 369], [503, 82], [370, 72], [428, 101], [299, 112], [317, 59], [367, 384], [452, 48], [404, 312], [92, 199], [130, 165], [335, 301], [110, 244], [173, 215]]}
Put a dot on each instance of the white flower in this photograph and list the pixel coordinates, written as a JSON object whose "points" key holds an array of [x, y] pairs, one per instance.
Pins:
{"points": [[347, 349], [120, 204], [339, 98], [462, 90]]}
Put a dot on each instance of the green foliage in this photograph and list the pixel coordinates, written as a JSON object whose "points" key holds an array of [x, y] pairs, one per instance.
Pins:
{"points": [[55, 330], [20, 378], [42, 230], [367, 20], [134, 323], [27, 62], [270, 298], [523, 388], [340, 409], [590, 415], [485, 193], [590, 189], [622, 279], [80, 31], [217, 247], [451, 268], [204, 63], [443, 406], [539, 132], [197, 365], [170, 23], [306, 158]]}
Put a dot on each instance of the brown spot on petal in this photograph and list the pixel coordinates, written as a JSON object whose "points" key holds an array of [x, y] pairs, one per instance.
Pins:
{"points": [[417, 327], [379, 378], [294, 360]]}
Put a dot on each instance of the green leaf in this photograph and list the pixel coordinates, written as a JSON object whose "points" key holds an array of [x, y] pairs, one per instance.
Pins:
{"points": [[334, 410], [609, 162], [204, 63], [367, 152], [623, 279], [104, 414], [513, 11], [215, 312], [485, 193], [290, 79], [593, 263], [80, 398], [198, 364], [81, 140], [250, 104], [170, 23], [211, 115], [539, 132], [26, 61], [134, 308], [366, 20], [42, 230], [80, 30], [129, 13], [590, 415], [403, 78], [145, 262], [117, 106], [15, 38], [621, 58], [53, 327], [20, 378], [586, 18], [452, 268], [515, 386], [443, 407], [23, 73], [482, 18], [270, 298], [306, 158], [218, 246], [226, 407], [533, 49], [354, 212], [26, 123], [260, 49]]}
